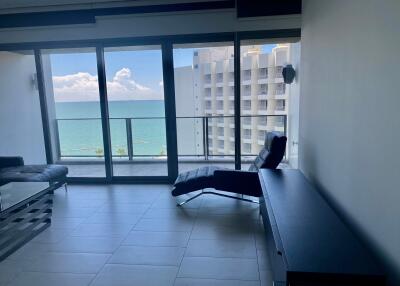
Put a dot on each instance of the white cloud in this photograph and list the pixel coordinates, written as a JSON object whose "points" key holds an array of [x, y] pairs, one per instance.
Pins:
{"points": [[84, 87]]}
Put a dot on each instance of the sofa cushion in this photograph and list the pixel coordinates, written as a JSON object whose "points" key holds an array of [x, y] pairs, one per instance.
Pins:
{"points": [[33, 173]]}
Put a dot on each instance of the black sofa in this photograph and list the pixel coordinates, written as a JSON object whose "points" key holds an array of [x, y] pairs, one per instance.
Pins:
{"points": [[13, 169], [234, 181]]}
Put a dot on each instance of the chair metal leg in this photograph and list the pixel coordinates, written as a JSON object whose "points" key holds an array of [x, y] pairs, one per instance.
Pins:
{"points": [[66, 188], [218, 194], [188, 200]]}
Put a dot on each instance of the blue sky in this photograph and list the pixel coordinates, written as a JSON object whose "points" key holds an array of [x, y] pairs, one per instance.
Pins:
{"points": [[145, 65], [148, 62]]}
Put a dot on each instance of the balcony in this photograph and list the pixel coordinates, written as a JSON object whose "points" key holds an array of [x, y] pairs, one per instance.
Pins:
{"points": [[263, 73], [136, 154], [246, 75], [278, 72], [219, 94], [280, 108]]}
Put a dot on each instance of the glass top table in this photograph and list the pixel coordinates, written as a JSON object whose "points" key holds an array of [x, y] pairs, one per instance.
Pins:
{"points": [[12, 194]]}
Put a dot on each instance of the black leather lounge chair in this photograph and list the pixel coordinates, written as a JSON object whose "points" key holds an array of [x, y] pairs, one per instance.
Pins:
{"points": [[13, 169], [239, 182]]}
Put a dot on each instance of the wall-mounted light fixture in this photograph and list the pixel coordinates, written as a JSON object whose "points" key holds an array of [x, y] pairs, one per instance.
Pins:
{"points": [[288, 74]]}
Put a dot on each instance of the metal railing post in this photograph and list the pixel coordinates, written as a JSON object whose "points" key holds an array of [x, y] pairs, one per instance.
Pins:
{"points": [[285, 125], [206, 129], [128, 125], [203, 122], [57, 133]]}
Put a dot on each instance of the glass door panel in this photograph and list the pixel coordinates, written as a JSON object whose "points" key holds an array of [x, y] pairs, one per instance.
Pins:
{"points": [[73, 103], [265, 98], [136, 110], [204, 96]]}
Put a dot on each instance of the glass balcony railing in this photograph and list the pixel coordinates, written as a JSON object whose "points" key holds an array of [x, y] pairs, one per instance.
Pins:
{"points": [[138, 138]]}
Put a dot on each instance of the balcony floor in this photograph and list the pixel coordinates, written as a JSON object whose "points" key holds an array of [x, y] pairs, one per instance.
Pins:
{"points": [[142, 168]]}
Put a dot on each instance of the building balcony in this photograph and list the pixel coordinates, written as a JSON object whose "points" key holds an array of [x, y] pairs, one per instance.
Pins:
{"points": [[263, 112], [262, 127], [281, 96], [248, 140], [280, 112], [262, 80], [262, 96]]}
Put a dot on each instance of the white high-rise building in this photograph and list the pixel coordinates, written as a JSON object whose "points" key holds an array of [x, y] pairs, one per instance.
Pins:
{"points": [[206, 89]]}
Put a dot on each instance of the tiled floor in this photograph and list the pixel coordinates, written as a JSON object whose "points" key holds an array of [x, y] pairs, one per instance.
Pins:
{"points": [[135, 235]]}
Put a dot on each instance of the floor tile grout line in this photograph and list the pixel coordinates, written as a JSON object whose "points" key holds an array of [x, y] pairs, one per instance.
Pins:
{"points": [[120, 244], [218, 279], [187, 243]]}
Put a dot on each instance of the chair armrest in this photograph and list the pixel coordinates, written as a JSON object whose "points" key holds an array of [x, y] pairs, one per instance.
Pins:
{"points": [[11, 161], [240, 182]]}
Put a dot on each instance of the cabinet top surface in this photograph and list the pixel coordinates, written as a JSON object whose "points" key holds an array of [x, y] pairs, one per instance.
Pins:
{"points": [[312, 236]]}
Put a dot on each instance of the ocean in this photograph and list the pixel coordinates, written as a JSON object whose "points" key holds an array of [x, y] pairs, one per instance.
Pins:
{"points": [[80, 133]]}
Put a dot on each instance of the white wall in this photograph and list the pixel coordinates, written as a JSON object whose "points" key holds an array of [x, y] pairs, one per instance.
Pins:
{"points": [[20, 120], [349, 112]]}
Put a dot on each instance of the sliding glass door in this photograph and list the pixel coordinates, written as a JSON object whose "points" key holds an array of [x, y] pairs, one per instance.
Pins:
{"points": [[267, 102], [73, 106], [109, 108], [204, 96], [136, 109]]}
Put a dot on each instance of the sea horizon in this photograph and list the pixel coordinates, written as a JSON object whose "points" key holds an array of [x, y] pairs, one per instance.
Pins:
{"points": [[79, 137]]}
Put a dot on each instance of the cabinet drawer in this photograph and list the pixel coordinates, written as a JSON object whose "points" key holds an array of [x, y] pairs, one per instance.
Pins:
{"points": [[274, 255], [276, 261]]}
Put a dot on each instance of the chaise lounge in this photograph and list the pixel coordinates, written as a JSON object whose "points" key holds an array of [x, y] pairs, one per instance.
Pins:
{"points": [[13, 169], [234, 181]]}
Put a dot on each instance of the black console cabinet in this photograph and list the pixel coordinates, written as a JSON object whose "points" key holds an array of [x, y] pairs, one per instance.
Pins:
{"points": [[307, 242]]}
